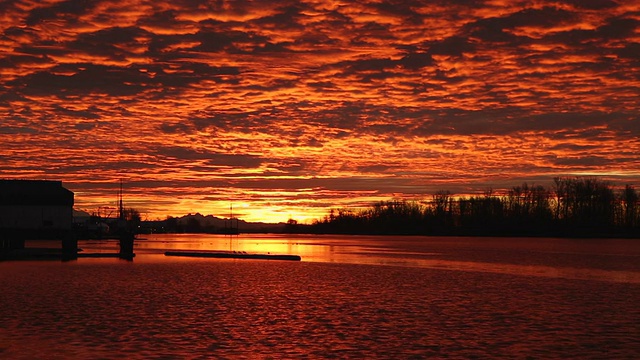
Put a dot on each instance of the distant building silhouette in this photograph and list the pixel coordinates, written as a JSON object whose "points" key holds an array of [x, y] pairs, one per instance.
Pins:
{"points": [[34, 209]]}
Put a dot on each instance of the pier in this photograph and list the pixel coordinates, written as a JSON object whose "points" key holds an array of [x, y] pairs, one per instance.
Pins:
{"points": [[68, 251]]}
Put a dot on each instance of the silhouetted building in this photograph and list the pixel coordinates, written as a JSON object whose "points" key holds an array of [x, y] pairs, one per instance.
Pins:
{"points": [[35, 209]]}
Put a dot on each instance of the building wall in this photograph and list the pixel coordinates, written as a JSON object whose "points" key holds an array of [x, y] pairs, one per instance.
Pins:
{"points": [[36, 217]]}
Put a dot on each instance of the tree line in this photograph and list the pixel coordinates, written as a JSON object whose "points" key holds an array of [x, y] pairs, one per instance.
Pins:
{"points": [[582, 207]]}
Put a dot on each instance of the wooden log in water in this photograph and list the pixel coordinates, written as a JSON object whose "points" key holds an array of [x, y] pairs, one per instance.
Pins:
{"points": [[233, 255]]}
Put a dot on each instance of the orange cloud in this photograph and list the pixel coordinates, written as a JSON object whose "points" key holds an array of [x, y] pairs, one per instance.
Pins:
{"points": [[294, 107]]}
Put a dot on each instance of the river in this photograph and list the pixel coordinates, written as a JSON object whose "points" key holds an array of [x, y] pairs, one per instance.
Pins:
{"points": [[388, 297]]}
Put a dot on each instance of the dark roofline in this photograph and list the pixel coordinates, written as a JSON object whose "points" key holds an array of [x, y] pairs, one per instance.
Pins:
{"points": [[34, 193]]}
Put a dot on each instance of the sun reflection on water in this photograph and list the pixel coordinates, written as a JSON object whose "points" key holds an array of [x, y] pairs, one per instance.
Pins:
{"points": [[523, 258]]}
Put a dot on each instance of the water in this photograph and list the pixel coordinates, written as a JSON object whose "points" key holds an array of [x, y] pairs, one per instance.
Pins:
{"points": [[350, 297]]}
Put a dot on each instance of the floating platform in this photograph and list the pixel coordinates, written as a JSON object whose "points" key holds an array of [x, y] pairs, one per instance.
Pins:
{"points": [[233, 255]]}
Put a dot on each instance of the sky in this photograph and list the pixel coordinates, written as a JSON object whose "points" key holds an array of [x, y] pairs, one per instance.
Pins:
{"points": [[285, 109]]}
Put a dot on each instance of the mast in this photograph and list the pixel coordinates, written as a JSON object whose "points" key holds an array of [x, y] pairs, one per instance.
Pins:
{"points": [[120, 205], [231, 215], [228, 226]]}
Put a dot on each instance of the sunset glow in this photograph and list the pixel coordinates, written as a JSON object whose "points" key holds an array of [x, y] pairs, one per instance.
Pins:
{"points": [[289, 108]]}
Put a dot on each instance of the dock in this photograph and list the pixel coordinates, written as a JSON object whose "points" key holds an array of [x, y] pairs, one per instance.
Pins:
{"points": [[233, 255], [32, 254], [36, 254]]}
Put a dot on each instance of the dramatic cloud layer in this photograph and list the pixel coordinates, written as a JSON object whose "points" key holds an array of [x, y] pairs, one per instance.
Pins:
{"points": [[287, 108]]}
